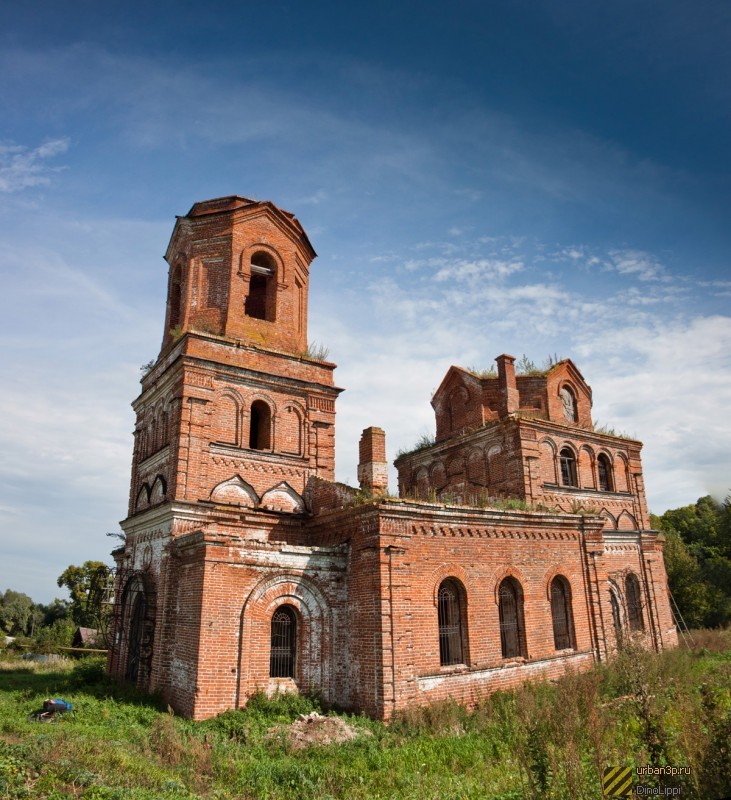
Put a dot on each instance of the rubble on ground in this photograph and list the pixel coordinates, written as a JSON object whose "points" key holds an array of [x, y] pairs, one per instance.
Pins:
{"points": [[315, 729]]}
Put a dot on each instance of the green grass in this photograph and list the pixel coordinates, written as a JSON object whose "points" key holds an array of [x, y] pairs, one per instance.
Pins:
{"points": [[546, 740]]}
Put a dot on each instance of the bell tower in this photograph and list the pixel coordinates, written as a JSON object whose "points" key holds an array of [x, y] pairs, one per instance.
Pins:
{"points": [[234, 411]]}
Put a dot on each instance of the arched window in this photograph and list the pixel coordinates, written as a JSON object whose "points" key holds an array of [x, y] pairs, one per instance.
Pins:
{"points": [[449, 614], [175, 297], [616, 614], [283, 643], [133, 628], [289, 431], [568, 401], [563, 623], [568, 467], [421, 484], [142, 443], [226, 420], [153, 436], [260, 426], [634, 603], [604, 470], [261, 298], [512, 632]]}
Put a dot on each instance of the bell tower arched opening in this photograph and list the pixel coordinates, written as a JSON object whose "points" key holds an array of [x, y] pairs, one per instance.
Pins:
{"points": [[262, 298]]}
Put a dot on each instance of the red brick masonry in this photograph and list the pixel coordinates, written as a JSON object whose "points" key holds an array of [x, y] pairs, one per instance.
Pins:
{"points": [[234, 512]]}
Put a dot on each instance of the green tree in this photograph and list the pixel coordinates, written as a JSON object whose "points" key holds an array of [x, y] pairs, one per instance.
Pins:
{"points": [[56, 610], [684, 577], [48, 638], [698, 560], [86, 587], [16, 610], [701, 525]]}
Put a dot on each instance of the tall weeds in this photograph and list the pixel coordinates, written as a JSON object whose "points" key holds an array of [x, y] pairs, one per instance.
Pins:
{"points": [[545, 740]]}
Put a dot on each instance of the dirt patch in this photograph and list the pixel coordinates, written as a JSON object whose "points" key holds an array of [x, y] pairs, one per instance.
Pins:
{"points": [[314, 729]]}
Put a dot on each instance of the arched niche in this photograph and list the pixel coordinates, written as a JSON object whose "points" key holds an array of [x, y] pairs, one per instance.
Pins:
{"points": [[235, 492]]}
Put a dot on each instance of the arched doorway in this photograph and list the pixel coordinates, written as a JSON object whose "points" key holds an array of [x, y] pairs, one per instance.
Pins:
{"points": [[136, 633], [134, 639]]}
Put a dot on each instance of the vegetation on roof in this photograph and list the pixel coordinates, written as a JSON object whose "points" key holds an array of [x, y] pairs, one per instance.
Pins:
{"points": [[524, 367], [609, 430], [490, 372], [315, 352], [424, 442]]}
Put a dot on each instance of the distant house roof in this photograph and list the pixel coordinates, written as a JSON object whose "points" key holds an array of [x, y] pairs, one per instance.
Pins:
{"points": [[85, 637]]}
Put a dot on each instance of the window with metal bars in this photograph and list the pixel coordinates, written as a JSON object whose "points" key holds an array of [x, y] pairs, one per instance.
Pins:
{"points": [[512, 634], [568, 467], [563, 627], [450, 623], [604, 469], [284, 643], [634, 603]]}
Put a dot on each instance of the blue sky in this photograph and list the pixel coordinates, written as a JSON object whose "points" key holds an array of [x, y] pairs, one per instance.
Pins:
{"points": [[477, 178]]}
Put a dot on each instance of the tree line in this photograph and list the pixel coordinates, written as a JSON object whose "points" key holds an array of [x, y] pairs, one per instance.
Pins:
{"points": [[44, 627]]}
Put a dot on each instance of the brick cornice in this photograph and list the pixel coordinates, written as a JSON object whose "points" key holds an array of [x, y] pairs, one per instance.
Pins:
{"points": [[568, 430]]}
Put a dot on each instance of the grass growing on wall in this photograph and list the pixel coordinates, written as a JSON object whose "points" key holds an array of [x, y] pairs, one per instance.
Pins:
{"points": [[541, 741]]}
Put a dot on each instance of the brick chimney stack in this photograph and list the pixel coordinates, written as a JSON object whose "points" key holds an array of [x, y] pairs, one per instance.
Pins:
{"points": [[373, 467], [509, 397]]}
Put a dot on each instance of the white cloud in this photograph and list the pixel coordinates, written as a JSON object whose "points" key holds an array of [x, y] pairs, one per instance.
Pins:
{"points": [[21, 167], [482, 269], [637, 263], [674, 397], [75, 329], [658, 371], [719, 288], [631, 263]]}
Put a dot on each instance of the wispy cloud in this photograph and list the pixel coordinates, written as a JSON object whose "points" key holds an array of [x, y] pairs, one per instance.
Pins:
{"points": [[156, 105], [21, 167], [314, 199], [482, 269], [632, 263], [719, 288], [637, 263]]}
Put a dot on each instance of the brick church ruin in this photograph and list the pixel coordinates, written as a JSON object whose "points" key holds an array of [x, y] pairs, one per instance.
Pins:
{"points": [[246, 567]]}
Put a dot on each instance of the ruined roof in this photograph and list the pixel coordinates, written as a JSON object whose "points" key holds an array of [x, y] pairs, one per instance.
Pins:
{"points": [[236, 202]]}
